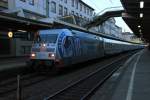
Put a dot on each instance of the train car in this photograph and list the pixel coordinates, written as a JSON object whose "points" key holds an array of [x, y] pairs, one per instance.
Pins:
{"points": [[63, 47]]}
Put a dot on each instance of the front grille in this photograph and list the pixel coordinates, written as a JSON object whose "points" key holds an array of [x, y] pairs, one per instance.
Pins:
{"points": [[50, 49], [47, 49]]}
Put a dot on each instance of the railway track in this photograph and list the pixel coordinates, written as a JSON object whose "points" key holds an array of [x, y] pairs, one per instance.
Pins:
{"points": [[83, 88], [10, 85]]}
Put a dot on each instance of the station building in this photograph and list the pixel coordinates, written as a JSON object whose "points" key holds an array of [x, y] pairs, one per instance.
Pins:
{"points": [[32, 9], [3, 5], [78, 8], [41, 10], [46, 10]]}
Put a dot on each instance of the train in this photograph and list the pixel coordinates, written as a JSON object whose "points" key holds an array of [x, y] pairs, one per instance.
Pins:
{"points": [[59, 48]]}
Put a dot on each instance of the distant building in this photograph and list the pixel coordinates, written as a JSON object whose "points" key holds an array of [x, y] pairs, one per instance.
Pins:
{"points": [[128, 36], [131, 37], [109, 27]]}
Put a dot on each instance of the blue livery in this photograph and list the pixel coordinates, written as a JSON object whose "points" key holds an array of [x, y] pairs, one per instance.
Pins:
{"points": [[62, 47]]}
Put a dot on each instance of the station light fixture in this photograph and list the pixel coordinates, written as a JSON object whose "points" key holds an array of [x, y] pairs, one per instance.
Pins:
{"points": [[10, 34], [139, 26], [22, 31], [141, 4], [141, 15]]}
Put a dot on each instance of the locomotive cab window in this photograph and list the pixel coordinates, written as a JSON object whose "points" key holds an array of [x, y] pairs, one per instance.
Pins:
{"points": [[46, 37]]}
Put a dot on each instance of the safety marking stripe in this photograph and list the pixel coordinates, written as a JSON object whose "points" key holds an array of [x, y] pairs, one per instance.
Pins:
{"points": [[130, 88]]}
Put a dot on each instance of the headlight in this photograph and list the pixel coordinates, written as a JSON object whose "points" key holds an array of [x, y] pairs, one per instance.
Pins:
{"points": [[33, 55], [44, 45], [51, 55]]}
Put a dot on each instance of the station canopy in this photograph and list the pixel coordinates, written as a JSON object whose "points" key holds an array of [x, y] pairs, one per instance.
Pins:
{"points": [[12, 22], [139, 17]]}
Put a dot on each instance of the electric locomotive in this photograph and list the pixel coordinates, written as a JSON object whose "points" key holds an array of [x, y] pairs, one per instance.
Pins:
{"points": [[63, 47]]}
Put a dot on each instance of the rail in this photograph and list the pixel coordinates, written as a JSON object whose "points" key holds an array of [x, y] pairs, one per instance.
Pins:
{"points": [[81, 89]]}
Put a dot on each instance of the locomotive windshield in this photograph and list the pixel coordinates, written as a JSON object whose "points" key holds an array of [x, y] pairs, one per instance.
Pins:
{"points": [[46, 38]]}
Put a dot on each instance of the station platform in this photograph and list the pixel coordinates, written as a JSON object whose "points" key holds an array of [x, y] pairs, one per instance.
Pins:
{"points": [[130, 82], [12, 63]]}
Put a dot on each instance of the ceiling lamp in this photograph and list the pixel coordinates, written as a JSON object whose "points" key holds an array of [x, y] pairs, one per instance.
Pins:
{"points": [[139, 26], [141, 4], [141, 15]]}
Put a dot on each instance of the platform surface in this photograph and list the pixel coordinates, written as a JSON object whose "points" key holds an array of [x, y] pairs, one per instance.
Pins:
{"points": [[12, 63], [131, 82]]}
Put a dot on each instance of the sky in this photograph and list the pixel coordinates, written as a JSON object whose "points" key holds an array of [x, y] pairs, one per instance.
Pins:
{"points": [[100, 5]]}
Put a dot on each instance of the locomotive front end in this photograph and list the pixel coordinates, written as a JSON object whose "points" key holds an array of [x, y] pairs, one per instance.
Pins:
{"points": [[43, 51]]}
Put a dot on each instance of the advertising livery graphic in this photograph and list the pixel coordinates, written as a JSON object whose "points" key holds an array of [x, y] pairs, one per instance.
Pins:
{"points": [[64, 46], [68, 46]]}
